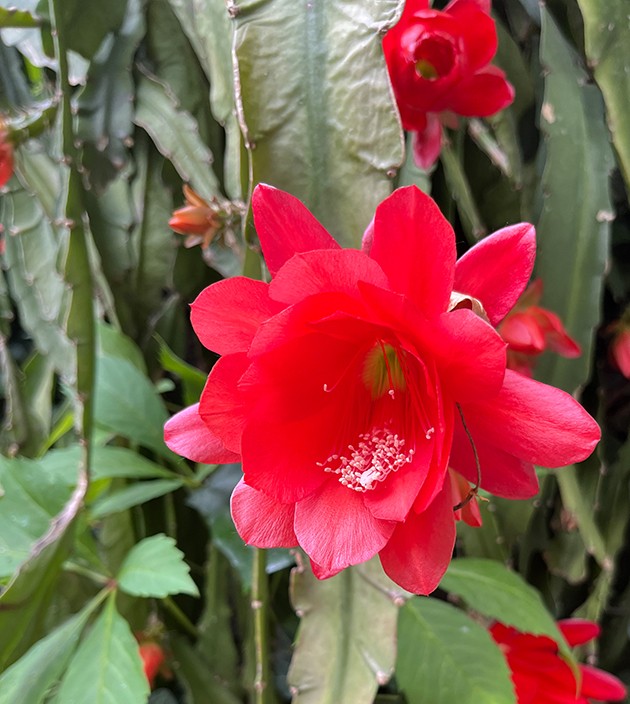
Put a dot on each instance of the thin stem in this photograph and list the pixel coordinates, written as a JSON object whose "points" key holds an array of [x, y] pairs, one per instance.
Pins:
{"points": [[180, 617], [261, 635], [475, 490], [96, 577]]}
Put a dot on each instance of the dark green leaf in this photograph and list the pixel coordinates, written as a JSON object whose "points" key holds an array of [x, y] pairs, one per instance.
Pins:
{"points": [[445, 657], [133, 495]]}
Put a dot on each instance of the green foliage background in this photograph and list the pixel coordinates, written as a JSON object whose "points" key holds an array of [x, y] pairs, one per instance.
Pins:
{"points": [[113, 106]]}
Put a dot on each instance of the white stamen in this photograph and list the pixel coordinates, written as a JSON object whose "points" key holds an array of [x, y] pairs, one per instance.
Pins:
{"points": [[377, 454]]}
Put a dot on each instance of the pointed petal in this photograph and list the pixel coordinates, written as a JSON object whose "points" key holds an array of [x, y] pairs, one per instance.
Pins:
{"points": [[535, 422], [600, 685], [419, 551], [497, 269], [226, 315], [335, 528], [415, 246], [187, 435], [477, 31], [260, 520], [331, 270], [470, 355], [502, 474], [221, 405], [427, 143], [481, 94], [285, 226], [578, 631], [322, 573]]}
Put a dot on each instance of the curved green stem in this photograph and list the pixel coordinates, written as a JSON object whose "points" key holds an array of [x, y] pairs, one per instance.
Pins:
{"points": [[259, 603]]}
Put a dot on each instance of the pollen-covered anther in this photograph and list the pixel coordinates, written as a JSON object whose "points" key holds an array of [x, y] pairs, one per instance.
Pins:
{"points": [[377, 454]]}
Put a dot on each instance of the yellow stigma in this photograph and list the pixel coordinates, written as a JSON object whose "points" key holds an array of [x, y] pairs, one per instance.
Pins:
{"points": [[426, 69], [382, 371]]}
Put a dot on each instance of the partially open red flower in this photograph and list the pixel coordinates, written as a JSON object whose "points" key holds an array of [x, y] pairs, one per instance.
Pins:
{"points": [[199, 220], [438, 62], [529, 330], [341, 382], [542, 676], [6, 156]]}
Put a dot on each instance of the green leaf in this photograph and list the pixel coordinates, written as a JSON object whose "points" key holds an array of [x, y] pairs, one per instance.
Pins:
{"points": [[133, 495], [29, 679], [346, 643], [114, 343], [127, 404], [573, 230], [25, 599], [498, 593], [608, 52], [34, 492], [12, 17], [445, 657], [192, 379], [318, 116], [176, 135], [106, 667], [155, 567]]}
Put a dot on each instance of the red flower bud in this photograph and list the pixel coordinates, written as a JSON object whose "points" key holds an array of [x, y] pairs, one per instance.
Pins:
{"points": [[6, 156], [198, 219], [152, 660]]}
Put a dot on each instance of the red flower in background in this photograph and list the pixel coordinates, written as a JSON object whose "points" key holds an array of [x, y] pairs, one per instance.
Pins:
{"points": [[438, 62], [540, 674], [198, 219], [620, 348], [152, 657], [529, 330], [6, 156], [340, 381]]}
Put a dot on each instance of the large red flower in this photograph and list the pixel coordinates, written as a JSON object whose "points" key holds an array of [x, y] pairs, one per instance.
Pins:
{"points": [[540, 674], [438, 62], [339, 385]]}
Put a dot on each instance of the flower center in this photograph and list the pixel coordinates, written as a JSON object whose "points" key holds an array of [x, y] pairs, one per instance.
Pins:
{"points": [[434, 57], [382, 371], [377, 454]]}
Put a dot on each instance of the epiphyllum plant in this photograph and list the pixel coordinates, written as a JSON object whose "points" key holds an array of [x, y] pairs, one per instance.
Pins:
{"points": [[352, 382], [439, 65]]}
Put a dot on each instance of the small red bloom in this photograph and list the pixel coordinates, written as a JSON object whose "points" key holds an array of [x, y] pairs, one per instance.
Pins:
{"points": [[198, 219], [529, 330], [340, 381], [6, 156], [541, 675], [152, 657], [438, 62], [620, 350]]}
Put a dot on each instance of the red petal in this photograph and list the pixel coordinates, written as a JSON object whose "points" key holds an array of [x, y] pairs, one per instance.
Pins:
{"points": [[221, 405], [535, 422], [187, 435], [482, 94], [260, 520], [522, 333], [325, 271], [470, 356], [578, 631], [556, 336], [477, 31], [415, 246], [427, 143], [497, 269], [502, 474], [6, 161], [335, 528], [418, 553], [226, 315], [600, 685], [285, 226]]}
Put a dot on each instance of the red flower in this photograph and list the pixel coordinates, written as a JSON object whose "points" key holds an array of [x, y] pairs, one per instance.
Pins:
{"points": [[542, 676], [620, 350], [6, 156], [339, 381], [438, 63], [152, 657], [529, 330]]}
